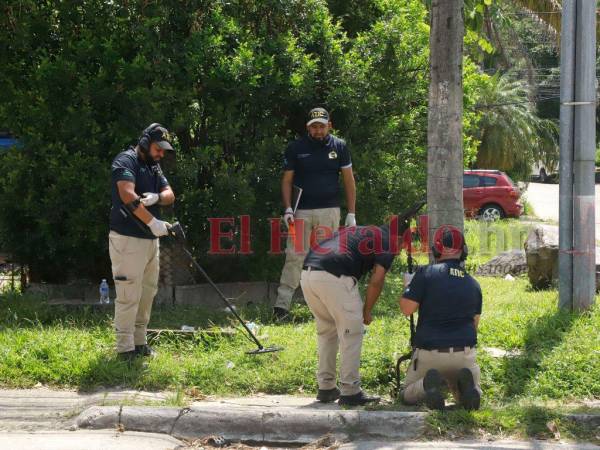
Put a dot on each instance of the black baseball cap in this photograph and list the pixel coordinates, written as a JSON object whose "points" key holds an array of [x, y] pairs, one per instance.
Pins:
{"points": [[161, 136], [317, 115]]}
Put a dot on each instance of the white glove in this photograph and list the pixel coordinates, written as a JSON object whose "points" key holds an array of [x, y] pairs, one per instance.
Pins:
{"points": [[288, 217], [159, 227], [150, 198], [408, 278], [351, 220]]}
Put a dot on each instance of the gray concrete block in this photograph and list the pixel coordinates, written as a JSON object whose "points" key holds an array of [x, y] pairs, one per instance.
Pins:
{"points": [[260, 424], [273, 293], [165, 296], [99, 417], [148, 418], [237, 424], [391, 424], [240, 294], [307, 425], [586, 420]]}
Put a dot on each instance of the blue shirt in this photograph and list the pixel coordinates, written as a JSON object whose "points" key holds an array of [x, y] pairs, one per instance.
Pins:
{"points": [[316, 165], [353, 251], [127, 166], [448, 298]]}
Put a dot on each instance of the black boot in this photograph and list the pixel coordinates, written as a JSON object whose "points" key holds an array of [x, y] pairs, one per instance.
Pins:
{"points": [[469, 396], [280, 315], [357, 399], [145, 350], [128, 357], [436, 389], [328, 395]]}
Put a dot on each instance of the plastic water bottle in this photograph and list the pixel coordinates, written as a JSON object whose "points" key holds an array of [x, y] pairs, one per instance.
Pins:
{"points": [[104, 299]]}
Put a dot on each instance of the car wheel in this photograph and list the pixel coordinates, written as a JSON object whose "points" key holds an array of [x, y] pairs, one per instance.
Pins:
{"points": [[491, 213], [543, 175]]}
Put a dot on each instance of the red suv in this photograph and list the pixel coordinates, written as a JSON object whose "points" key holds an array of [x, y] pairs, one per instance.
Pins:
{"points": [[490, 194]]}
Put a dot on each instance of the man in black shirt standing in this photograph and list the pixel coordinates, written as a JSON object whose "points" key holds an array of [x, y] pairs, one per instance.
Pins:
{"points": [[138, 188], [329, 282], [313, 163], [449, 304]]}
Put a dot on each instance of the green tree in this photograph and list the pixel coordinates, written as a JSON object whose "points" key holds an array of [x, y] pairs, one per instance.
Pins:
{"points": [[232, 79]]}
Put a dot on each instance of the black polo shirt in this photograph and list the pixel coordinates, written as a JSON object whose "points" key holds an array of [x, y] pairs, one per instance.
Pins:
{"points": [[127, 166], [316, 165], [353, 251], [448, 300]]}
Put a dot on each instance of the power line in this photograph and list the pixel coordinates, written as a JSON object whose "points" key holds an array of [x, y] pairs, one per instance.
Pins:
{"points": [[494, 105]]}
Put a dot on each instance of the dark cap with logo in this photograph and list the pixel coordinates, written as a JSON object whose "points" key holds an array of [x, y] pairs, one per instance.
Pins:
{"points": [[319, 115], [161, 136]]}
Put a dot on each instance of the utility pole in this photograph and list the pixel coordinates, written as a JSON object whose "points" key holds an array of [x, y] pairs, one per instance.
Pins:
{"points": [[577, 258], [565, 210], [584, 154], [444, 132]]}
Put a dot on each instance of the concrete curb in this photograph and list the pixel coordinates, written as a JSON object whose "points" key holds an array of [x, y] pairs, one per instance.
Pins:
{"points": [[586, 420], [277, 425]]}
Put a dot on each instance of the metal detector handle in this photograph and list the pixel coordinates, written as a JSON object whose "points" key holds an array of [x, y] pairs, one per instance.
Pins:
{"points": [[410, 264], [218, 291]]}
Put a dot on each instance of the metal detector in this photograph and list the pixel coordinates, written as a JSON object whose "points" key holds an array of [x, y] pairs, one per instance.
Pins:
{"points": [[405, 219], [176, 232]]}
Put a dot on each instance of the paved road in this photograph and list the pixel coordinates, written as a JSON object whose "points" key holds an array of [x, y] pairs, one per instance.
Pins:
{"points": [[113, 440], [497, 445], [544, 199], [87, 440]]}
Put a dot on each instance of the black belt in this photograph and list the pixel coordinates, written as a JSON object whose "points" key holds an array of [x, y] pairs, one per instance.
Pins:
{"points": [[315, 269], [450, 349]]}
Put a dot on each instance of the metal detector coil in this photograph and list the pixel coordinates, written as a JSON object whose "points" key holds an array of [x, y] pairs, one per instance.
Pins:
{"points": [[177, 233]]}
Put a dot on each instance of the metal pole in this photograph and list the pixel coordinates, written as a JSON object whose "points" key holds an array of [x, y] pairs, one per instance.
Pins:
{"points": [[584, 241], [567, 95]]}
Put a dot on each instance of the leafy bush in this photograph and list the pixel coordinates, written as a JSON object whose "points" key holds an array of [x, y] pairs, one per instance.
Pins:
{"points": [[233, 80]]}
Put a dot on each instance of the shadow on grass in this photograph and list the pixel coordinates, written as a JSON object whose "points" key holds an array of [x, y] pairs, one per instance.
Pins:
{"points": [[109, 371], [543, 335], [527, 421]]}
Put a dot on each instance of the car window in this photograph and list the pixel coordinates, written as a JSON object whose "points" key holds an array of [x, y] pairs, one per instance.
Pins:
{"points": [[470, 181], [488, 181]]}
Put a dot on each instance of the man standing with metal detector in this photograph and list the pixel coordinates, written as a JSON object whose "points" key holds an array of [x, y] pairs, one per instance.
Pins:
{"points": [[313, 163], [449, 303], [138, 189]]}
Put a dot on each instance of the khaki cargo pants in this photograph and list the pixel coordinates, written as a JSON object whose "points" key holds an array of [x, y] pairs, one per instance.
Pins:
{"points": [[448, 364], [338, 310], [137, 261], [290, 275]]}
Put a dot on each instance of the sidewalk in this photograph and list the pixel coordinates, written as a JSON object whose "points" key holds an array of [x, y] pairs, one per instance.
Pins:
{"points": [[69, 419], [47, 409]]}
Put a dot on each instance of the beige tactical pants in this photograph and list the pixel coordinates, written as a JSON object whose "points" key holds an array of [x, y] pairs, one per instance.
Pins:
{"points": [[290, 275], [135, 266], [448, 364], [338, 310]]}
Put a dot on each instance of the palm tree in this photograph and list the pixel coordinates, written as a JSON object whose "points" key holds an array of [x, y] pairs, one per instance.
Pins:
{"points": [[548, 11], [512, 135]]}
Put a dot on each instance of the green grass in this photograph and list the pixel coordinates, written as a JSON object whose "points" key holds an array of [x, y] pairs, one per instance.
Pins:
{"points": [[558, 364], [61, 347]]}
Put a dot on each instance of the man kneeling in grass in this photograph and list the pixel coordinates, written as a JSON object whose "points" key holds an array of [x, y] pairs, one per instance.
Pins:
{"points": [[449, 304], [329, 282]]}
